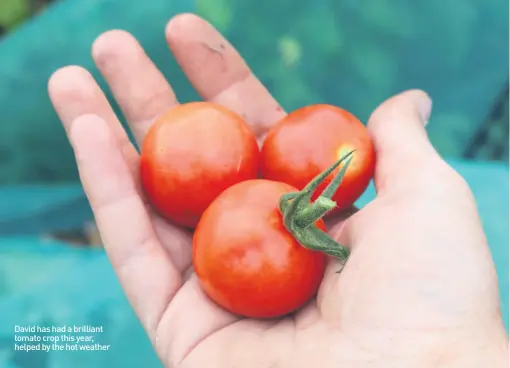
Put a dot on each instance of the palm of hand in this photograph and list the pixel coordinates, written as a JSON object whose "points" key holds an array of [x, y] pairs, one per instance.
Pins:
{"points": [[419, 277], [380, 311]]}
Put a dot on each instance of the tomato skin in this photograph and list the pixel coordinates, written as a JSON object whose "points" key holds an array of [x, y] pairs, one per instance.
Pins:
{"points": [[245, 259], [191, 154], [308, 140]]}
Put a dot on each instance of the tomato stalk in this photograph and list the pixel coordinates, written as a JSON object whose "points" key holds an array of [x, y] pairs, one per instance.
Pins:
{"points": [[300, 214]]}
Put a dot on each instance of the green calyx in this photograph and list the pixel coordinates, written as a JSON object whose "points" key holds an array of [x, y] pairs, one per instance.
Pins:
{"points": [[300, 213]]}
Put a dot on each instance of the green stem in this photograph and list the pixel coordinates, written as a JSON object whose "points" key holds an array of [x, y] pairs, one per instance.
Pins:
{"points": [[300, 215], [284, 200], [302, 198], [333, 186], [329, 246], [311, 186], [315, 211]]}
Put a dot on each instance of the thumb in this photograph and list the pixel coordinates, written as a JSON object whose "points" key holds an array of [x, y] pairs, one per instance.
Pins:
{"points": [[401, 142], [403, 151]]}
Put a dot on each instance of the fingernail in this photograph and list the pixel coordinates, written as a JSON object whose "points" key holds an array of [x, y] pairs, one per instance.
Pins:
{"points": [[424, 105]]}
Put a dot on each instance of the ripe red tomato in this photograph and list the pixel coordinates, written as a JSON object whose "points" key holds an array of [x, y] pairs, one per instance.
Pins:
{"points": [[193, 153], [246, 260], [309, 140]]}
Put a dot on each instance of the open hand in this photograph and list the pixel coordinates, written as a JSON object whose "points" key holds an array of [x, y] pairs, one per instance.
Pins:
{"points": [[419, 289]]}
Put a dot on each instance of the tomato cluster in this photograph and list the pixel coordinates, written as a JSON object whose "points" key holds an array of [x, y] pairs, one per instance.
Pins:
{"points": [[259, 245]]}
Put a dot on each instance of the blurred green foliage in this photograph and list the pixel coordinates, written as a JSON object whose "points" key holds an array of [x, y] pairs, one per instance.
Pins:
{"points": [[13, 12], [348, 53]]}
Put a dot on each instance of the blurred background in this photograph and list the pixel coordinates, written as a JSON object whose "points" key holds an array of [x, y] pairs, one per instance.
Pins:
{"points": [[349, 53]]}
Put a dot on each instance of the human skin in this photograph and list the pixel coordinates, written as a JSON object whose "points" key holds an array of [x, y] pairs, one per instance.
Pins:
{"points": [[419, 289]]}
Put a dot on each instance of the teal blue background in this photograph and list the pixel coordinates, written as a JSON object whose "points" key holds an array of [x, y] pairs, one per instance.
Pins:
{"points": [[348, 53]]}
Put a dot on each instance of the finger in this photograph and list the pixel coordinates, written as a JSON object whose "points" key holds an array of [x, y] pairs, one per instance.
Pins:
{"points": [[140, 89], [400, 138], [74, 92], [219, 73], [144, 269], [176, 240]]}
